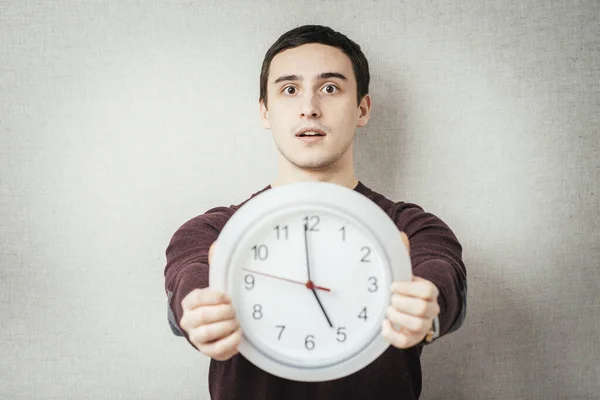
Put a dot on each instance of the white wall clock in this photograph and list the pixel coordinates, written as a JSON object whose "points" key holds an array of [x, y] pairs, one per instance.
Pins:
{"points": [[309, 267]]}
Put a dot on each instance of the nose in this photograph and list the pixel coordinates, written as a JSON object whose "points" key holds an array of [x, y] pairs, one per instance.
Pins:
{"points": [[310, 106]]}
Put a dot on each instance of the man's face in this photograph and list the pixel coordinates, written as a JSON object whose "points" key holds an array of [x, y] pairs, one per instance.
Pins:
{"points": [[313, 86]]}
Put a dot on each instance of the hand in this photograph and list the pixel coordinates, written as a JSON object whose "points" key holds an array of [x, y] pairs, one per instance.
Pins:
{"points": [[309, 283], [209, 321], [413, 308]]}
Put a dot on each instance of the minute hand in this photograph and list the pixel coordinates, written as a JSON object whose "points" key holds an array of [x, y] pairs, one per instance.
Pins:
{"points": [[306, 252], [310, 284]]}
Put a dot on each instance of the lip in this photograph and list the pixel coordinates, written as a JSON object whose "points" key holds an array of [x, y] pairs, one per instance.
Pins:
{"points": [[308, 129], [311, 139]]}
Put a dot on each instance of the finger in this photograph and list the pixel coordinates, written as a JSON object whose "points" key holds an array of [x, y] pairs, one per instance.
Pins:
{"points": [[415, 306], [223, 349], [420, 288], [409, 322], [201, 297], [405, 241], [399, 339], [211, 251], [210, 332], [206, 315]]}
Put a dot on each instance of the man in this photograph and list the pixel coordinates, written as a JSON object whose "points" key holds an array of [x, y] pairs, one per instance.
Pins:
{"points": [[317, 79]]}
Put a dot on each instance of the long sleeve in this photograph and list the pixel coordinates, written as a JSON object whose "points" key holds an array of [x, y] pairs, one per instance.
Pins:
{"points": [[187, 260], [436, 255]]}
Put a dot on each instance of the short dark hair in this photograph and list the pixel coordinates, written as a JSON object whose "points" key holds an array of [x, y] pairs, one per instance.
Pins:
{"points": [[318, 34]]}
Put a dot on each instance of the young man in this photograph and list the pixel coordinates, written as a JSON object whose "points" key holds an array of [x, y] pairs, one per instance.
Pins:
{"points": [[313, 95]]}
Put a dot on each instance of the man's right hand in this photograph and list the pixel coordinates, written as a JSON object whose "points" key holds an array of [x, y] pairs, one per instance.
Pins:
{"points": [[210, 323]]}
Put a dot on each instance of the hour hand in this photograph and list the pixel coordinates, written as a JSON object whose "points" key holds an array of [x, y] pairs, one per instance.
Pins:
{"points": [[322, 308]]}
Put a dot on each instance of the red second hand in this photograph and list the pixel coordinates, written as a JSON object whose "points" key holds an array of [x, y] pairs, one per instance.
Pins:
{"points": [[309, 284]]}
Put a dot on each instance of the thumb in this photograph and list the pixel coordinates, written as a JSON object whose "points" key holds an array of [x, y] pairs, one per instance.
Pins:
{"points": [[405, 240], [211, 251]]}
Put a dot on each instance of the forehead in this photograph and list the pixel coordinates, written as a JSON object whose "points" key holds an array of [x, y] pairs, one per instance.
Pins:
{"points": [[309, 60]]}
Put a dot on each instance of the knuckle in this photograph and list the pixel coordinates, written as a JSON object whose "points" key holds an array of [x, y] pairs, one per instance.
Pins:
{"points": [[193, 336], [219, 349], [202, 334], [412, 324], [222, 298], [400, 340], [206, 351], [422, 308], [422, 326], [202, 316], [227, 327], [199, 295], [190, 299], [195, 293], [183, 322]]}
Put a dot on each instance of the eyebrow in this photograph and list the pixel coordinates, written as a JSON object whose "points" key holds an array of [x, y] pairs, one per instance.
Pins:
{"points": [[324, 75]]}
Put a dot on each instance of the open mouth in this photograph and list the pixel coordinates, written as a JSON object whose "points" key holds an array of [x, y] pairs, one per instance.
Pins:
{"points": [[310, 134]]}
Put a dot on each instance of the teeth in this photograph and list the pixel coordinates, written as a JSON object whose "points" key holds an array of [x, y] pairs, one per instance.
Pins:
{"points": [[311, 133]]}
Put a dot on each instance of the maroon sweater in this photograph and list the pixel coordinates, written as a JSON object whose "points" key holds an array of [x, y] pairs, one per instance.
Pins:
{"points": [[435, 254]]}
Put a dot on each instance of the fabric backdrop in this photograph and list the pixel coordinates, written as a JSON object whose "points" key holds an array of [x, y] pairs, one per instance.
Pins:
{"points": [[121, 120]]}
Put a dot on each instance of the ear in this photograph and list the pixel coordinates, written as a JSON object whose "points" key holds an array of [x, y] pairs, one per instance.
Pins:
{"points": [[264, 115], [364, 111]]}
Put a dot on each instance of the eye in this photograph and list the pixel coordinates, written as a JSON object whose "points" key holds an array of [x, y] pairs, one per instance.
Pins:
{"points": [[289, 90], [330, 89]]}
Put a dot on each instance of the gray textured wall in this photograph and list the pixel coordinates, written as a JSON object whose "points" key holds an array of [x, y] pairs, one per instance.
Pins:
{"points": [[121, 120]]}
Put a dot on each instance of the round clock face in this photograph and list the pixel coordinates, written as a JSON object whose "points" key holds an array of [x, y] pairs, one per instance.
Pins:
{"points": [[311, 286], [309, 268]]}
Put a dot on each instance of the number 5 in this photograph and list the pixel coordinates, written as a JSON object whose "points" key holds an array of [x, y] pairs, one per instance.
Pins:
{"points": [[341, 336]]}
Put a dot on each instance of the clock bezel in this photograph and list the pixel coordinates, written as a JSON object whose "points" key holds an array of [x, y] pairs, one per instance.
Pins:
{"points": [[340, 200]]}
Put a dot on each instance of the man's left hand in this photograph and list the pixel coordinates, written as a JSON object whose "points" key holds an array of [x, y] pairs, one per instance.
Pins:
{"points": [[412, 310]]}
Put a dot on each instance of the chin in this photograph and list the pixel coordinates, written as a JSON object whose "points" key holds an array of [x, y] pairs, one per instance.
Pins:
{"points": [[311, 159], [314, 163]]}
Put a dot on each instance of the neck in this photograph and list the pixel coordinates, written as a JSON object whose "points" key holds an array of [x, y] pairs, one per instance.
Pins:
{"points": [[341, 173]]}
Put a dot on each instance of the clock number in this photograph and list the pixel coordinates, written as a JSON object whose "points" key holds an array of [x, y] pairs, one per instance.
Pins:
{"points": [[279, 229], [367, 251], [314, 220], [343, 229], [282, 327], [249, 280], [257, 313], [373, 288], [260, 252], [363, 314], [309, 342], [341, 336]]}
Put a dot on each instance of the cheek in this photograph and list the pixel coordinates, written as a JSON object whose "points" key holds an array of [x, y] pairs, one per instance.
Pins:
{"points": [[349, 114], [277, 119], [280, 120]]}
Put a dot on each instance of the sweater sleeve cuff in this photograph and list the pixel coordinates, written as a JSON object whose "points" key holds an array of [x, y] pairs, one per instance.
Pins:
{"points": [[452, 297], [192, 276]]}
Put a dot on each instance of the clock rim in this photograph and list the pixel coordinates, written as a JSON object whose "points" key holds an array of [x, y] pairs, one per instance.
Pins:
{"points": [[327, 195]]}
